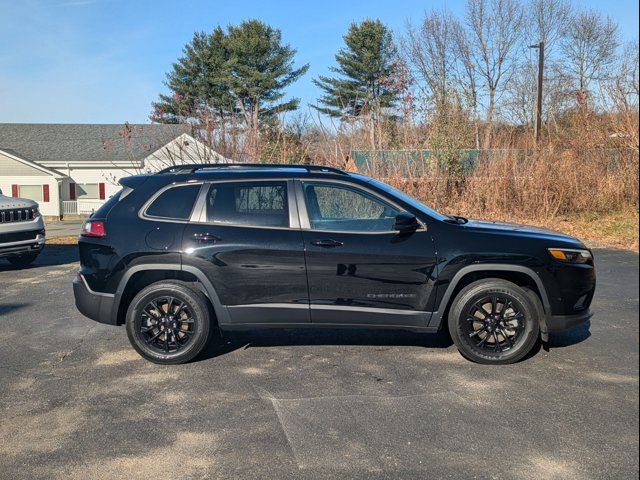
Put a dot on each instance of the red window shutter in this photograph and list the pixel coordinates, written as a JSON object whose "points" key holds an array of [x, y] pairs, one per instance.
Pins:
{"points": [[45, 193], [101, 188], [72, 191], [14, 191]]}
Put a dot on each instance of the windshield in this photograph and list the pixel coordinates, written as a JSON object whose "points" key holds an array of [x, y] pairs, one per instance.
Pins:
{"points": [[408, 200]]}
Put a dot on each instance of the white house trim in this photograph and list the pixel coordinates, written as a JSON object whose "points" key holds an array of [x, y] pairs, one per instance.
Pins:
{"points": [[184, 149]]}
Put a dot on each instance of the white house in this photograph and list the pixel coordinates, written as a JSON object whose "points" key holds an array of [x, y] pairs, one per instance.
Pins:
{"points": [[72, 169]]}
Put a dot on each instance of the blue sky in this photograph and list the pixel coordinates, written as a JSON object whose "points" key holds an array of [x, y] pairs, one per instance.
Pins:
{"points": [[103, 61]]}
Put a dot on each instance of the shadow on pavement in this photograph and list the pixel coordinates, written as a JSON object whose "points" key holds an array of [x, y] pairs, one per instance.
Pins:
{"points": [[11, 307], [51, 255], [574, 335], [309, 336]]}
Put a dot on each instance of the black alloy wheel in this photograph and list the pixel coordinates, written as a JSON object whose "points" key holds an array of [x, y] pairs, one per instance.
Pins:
{"points": [[495, 321], [169, 322], [166, 324]]}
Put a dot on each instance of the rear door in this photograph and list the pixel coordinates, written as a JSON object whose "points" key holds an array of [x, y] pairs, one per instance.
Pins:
{"points": [[247, 241], [360, 270]]}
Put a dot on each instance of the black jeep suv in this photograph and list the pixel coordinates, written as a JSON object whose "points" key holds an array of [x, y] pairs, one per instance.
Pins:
{"points": [[177, 254]]}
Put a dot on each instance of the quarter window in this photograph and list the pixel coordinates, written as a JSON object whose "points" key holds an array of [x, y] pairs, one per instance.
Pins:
{"points": [[260, 204], [175, 203], [344, 208]]}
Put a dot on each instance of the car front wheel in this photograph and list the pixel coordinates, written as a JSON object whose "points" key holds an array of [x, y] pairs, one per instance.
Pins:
{"points": [[494, 321], [168, 322]]}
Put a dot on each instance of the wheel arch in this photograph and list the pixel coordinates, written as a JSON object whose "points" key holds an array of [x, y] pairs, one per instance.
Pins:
{"points": [[518, 274], [140, 276]]}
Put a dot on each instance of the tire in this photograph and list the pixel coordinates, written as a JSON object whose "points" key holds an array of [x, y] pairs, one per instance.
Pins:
{"points": [[22, 260], [147, 324], [499, 331]]}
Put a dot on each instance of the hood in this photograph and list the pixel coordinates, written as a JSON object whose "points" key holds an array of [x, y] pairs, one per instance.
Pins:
{"points": [[12, 202], [523, 231]]}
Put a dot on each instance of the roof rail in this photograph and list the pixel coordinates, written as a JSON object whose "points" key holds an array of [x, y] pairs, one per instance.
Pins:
{"points": [[202, 166]]}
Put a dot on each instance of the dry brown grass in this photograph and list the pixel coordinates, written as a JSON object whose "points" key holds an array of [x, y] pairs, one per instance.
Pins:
{"points": [[70, 240], [586, 194]]}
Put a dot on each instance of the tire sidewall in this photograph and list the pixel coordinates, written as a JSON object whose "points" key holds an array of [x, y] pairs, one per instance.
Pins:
{"points": [[471, 294], [196, 303]]}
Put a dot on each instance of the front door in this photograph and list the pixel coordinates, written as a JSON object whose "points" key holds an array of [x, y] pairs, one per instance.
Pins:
{"points": [[248, 243], [361, 271]]}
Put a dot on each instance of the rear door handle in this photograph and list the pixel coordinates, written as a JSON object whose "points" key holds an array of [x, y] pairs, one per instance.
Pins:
{"points": [[327, 243], [205, 238]]}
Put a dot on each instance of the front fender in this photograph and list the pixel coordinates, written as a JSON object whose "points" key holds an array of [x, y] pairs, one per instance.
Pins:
{"points": [[437, 318]]}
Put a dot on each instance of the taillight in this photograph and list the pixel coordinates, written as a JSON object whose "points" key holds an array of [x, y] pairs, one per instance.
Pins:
{"points": [[93, 228]]}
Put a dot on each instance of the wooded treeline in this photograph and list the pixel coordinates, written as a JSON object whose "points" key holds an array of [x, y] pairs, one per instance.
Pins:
{"points": [[445, 83]]}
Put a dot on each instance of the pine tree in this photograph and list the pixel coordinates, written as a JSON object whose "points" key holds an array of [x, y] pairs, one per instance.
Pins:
{"points": [[260, 68], [364, 83], [198, 82], [235, 77]]}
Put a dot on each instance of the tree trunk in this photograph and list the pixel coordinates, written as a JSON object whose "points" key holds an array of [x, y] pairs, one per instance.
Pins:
{"points": [[489, 126]]}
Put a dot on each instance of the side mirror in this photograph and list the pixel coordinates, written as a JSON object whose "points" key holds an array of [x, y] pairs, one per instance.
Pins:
{"points": [[406, 222]]}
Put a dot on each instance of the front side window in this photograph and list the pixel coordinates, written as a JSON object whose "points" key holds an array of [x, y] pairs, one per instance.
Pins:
{"points": [[176, 203], [259, 204], [344, 208]]}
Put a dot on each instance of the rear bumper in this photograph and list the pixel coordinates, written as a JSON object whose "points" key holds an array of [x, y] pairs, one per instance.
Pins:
{"points": [[94, 305], [557, 323]]}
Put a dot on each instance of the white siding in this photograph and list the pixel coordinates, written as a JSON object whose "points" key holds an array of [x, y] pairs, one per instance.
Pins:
{"points": [[50, 208], [15, 168]]}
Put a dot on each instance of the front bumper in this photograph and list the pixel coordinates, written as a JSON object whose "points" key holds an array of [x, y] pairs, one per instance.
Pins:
{"points": [[20, 238], [94, 305], [557, 323], [29, 246]]}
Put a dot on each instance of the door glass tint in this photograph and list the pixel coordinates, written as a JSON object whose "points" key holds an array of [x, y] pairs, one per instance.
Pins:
{"points": [[343, 208], [259, 204], [175, 203]]}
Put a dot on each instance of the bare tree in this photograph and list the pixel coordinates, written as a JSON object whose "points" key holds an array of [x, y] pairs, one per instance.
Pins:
{"points": [[546, 21], [467, 77], [495, 33], [430, 50], [589, 47]]}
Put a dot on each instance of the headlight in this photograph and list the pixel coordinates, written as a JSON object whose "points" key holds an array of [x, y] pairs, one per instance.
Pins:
{"points": [[570, 255]]}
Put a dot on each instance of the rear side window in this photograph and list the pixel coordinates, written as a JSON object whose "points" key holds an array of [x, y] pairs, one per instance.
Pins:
{"points": [[259, 204], [175, 203]]}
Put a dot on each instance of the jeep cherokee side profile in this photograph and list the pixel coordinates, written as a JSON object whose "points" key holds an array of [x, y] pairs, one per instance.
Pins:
{"points": [[178, 254], [21, 230]]}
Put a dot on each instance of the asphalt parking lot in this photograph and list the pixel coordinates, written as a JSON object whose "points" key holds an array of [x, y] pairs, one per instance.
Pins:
{"points": [[77, 402]]}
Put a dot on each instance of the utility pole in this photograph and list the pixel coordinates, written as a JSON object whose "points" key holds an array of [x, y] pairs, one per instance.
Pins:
{"points": [[538, 124]]}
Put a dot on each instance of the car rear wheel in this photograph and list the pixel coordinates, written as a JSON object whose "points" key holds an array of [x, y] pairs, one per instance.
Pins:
{"points": [[494, 321], [168, 322], [22, 260]]}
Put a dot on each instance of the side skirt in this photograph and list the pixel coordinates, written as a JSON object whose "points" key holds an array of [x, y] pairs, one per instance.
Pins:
{"points": [[253, 326]]}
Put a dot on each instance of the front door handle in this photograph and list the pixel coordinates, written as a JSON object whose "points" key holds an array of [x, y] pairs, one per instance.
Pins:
{"points": [[327, 243], [205, 238]]}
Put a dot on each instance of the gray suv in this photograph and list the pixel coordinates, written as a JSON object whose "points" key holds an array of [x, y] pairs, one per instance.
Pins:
{"points": [[21, 230]]}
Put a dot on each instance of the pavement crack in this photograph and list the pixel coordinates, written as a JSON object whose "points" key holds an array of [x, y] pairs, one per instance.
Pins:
{"points": [[74, 348]]}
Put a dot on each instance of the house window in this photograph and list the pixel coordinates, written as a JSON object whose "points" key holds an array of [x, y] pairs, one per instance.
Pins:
{"points": [[88, 191], [32, 192]]}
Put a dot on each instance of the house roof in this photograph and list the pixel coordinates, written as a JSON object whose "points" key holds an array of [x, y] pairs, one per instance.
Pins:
{"points": [[39, 142]]}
